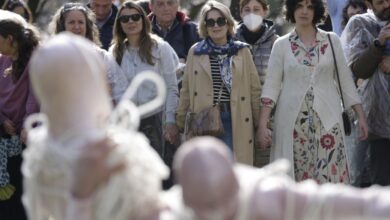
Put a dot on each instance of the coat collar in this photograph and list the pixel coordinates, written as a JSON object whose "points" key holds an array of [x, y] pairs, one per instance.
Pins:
{"points": [[205, 64], [320, 36]]}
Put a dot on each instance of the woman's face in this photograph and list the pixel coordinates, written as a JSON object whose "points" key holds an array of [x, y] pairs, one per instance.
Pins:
{"points": [[76, 23], [131, 22], [253, 7], [217, 27], [6, 47], [304, 13]]}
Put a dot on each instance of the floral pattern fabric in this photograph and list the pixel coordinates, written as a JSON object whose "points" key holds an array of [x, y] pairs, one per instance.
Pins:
{"points": [[318, 154], [308, 56]]}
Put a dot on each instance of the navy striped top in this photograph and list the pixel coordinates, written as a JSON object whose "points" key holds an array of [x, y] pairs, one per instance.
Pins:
{"points": [[217, 82]]}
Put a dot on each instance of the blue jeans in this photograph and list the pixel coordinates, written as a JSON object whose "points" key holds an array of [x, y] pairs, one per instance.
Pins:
{"points": [[227, 136]]}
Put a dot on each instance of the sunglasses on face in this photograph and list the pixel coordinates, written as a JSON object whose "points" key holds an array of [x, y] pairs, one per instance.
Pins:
{"points": [[220, 22], [126, 18]]}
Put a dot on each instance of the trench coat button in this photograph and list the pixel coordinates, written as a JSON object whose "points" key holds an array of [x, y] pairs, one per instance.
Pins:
{"points": [[246, 119], [195, 93], [250, 141], [242, 98], [196, 72]]}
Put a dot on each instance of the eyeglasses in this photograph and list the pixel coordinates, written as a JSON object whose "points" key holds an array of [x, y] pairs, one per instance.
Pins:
{"points": [[126, 18], [220, 22]]}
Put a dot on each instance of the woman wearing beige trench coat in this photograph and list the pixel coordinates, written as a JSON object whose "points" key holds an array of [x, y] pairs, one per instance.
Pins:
{"points": [[200, 83]]}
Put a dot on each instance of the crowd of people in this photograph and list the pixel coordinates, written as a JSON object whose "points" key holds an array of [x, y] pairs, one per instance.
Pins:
{"points": [[279, 96]]}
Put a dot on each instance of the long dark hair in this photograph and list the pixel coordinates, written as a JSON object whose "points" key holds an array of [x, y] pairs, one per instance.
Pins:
{"points": [[319, 10], [25, 37], [120, 39]]}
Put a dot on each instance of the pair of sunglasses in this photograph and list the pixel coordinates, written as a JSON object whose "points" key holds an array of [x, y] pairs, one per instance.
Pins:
{"points": [[220, 22], [126, 18]]}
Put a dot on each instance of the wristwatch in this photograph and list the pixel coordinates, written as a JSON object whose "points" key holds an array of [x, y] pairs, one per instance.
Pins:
{"points": [[378, 45]]}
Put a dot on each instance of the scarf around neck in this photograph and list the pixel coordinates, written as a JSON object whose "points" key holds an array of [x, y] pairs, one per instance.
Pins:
{"points": [[224, 54]]}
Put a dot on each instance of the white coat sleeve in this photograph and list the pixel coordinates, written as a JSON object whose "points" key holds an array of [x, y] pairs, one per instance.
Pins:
{"points": [[274, 77]]}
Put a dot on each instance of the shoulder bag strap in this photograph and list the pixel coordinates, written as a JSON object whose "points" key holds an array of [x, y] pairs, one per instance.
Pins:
{"points": [[337, 71], [220, 92]]}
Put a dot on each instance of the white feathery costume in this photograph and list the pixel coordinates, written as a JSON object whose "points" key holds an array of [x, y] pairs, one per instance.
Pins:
{"points": [[66, 74]]}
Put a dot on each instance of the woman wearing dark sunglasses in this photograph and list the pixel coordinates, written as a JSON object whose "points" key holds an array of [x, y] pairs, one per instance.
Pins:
{"points": [[80, 20], [136, 50], [220, 69]]}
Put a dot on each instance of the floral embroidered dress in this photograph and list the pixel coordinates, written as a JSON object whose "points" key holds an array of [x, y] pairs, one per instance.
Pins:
{"points": [[318, 154]]}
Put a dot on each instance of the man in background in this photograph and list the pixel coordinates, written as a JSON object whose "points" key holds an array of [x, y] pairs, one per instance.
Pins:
{"points": [[105, 12], [364, 41], [181, 33], [173, 25]]}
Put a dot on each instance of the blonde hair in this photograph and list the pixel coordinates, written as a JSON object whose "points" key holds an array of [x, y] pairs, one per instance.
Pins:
{"points": [[224, 10]]}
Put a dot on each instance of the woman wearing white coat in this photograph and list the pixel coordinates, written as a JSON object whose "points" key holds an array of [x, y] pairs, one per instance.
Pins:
{"points": [[302, 80]]}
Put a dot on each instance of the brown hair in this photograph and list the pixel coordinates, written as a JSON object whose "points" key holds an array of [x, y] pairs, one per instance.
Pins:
{"points": [[263, 3], [120, 39], [57, 23]]}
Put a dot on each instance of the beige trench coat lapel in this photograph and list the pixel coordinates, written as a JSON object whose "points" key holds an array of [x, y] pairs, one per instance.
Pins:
{"points": [[205, 64], [237, 65]]}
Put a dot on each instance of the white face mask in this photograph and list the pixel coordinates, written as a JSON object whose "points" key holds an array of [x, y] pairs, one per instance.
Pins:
{"points": [[252, 21]]}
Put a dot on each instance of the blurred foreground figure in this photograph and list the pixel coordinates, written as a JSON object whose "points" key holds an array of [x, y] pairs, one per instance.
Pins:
{"points": [[76, 109], [215, 189]]}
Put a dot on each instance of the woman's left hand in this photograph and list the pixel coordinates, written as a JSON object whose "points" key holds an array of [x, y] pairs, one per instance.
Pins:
{"points": [[362, 121], [363, 128], [264, 137]]}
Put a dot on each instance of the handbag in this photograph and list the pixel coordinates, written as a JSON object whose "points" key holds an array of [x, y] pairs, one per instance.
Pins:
{"points": [[206, 122], [346, 120]]}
